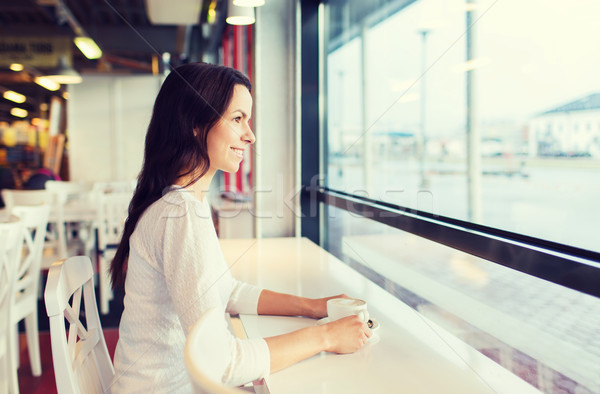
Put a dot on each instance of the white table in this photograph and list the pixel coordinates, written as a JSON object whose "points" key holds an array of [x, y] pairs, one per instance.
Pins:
{"points": [[408, 354]]}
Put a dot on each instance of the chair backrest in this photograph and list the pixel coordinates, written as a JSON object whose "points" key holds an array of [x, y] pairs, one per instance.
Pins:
{"points": [[81, 360], [11, 240], [100, 188], [206, 352], [63, 190], [25, 197], [35, 221], [112, 212], [63, 193]]}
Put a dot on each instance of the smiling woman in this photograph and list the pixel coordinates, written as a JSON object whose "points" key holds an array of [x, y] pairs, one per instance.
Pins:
{"points": [[169, 258], [228, 139]]}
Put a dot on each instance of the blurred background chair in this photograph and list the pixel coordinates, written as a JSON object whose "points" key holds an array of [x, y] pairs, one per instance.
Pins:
{"points": [[81, 360], [112, 211], [74, 216], [13, 197], [112, 200], [27, 281], [11, 241], [35, 198], [206, 355], [24, 198], [113, 186]]}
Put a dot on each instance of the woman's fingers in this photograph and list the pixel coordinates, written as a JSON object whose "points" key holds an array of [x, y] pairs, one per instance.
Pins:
{"points": [[349, 334], [368, 331]]}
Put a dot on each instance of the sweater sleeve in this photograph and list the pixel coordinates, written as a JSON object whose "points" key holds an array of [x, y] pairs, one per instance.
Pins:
{"points": [[244, 298], [195, 280]]}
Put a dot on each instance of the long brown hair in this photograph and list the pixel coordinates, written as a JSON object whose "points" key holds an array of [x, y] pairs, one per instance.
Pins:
{"points": [[192, 98]]}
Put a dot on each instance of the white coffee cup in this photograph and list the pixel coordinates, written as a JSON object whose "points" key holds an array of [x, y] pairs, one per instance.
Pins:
{"points": [[342, 307]]}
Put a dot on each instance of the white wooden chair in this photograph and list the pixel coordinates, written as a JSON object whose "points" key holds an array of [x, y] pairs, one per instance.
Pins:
{"points": [[11, 241], [35, 198], [25, 197], [112, 212], [81, 360], [26, 287], [109, 187], [66, 192], [205, 355]]}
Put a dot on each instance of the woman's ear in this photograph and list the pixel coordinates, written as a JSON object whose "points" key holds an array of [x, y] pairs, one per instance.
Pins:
{"points": [[196, 132]]}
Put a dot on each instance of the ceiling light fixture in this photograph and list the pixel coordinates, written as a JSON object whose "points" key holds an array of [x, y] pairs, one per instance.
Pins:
{"points": [[19, 112], [64, 73], [17, 67], [239, 15], [249, 3], [14, 96], [88, 47], [185, 12], [47, 83], [82, 40]]}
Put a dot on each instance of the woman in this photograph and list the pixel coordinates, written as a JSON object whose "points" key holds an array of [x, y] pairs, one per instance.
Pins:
{"points": [[169, 259]]}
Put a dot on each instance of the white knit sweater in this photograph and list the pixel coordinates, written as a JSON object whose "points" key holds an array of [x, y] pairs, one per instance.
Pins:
{"points": [[176, 271]]}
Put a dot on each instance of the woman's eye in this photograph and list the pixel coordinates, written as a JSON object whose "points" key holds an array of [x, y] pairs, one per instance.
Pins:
{"points": [[238, 119]]}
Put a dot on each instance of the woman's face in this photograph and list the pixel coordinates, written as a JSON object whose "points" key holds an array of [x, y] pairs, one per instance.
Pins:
{"points": [[228, 139]]}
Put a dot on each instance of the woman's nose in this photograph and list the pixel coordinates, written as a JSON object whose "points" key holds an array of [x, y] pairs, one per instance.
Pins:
{"points": [[248, 135]]}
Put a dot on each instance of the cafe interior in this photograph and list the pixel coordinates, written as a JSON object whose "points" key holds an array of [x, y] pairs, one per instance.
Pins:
{"points": [[347, 190]]}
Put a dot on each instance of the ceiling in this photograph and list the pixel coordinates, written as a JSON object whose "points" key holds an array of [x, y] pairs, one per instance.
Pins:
{"points": [[130, 43]]}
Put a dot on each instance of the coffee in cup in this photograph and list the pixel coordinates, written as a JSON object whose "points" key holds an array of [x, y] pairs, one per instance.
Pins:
{"points": [[342, 307]]}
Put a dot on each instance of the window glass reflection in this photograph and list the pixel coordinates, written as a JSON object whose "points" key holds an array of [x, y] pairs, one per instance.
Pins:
{"points": [[544, 333], [397, 125]]}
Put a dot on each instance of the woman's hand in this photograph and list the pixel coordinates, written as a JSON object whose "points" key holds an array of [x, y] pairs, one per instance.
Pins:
{"points": [[318, 306], [346, 335], [273, 303]]}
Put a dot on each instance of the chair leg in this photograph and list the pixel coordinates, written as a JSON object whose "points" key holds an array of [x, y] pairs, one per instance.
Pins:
{"points": [[14, 349], [12, 364], [90, 242], [33, 343], [4, 371], [104, 284], [14, 381], [62, 240]]}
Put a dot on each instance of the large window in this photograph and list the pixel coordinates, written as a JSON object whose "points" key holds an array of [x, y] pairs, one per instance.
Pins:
{"points": [[401, 76], [474, 127]]}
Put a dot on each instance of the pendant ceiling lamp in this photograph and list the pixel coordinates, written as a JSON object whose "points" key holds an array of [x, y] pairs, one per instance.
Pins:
{"points": [[180, 12], [47, 83], [14, 96], [237, 15], [248, 3], [88, 47]]}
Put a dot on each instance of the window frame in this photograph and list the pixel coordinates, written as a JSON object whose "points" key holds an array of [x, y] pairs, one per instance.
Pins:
{"points": [[564, 265]]}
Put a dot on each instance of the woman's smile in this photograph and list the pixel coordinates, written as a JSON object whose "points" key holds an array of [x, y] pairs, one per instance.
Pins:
{"points": [[239, 152]]}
